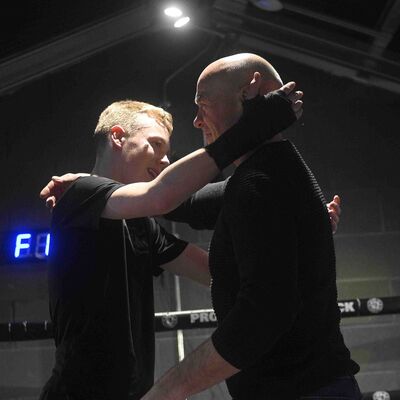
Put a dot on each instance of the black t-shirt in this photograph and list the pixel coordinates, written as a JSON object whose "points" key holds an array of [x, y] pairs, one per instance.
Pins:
{"points": [[101, 295]]}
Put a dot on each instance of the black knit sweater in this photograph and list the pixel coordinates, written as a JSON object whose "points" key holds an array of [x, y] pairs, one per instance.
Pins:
{"points": [[272, 262]]}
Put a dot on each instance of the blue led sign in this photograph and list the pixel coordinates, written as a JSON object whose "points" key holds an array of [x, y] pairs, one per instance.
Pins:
{"points": [[28, 245]]}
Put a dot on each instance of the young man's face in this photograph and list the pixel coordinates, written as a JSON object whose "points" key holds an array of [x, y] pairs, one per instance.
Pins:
{"points": [[219, 107], [144, 153]]}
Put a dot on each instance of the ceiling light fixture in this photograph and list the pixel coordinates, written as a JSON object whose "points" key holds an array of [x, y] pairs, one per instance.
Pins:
{"points": [[173, 12], [181, 22], [267, 5]]}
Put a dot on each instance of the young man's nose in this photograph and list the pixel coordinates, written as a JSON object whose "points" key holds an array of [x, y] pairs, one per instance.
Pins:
{"points": [[165, 161]]}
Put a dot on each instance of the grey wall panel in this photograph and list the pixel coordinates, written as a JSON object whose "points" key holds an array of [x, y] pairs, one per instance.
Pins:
{"points": [[25, 367], [166, 352], [375, 346]]}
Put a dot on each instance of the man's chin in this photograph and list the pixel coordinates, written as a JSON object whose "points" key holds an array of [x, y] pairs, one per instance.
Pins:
{"points": [[210, 137]]}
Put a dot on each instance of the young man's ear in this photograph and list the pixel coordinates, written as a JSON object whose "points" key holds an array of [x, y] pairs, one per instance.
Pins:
{"points": [[118, 135]]}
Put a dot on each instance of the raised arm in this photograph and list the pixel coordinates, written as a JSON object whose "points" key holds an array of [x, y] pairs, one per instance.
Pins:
{"points": [[200, 210], [178, 181]]}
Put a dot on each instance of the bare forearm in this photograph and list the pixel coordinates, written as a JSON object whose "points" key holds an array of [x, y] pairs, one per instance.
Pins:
{"points": [[166, 192], [185, 177], [200, 370]]}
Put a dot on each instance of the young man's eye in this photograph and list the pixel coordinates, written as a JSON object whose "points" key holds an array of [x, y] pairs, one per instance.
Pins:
{"points": [[157, 144]]}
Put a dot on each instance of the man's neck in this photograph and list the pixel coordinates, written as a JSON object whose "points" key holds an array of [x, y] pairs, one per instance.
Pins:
{"points": [[104, 167]]}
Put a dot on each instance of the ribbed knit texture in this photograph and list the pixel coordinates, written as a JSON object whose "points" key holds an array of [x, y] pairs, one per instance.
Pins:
{"points": [[272, 262]]}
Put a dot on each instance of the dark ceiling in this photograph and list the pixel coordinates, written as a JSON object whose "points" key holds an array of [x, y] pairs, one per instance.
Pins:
{"points": [[353, 38]]}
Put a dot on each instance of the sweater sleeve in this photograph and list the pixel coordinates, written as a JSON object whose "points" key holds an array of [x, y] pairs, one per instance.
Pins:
{"points": [[263, 234], [201, 210]]}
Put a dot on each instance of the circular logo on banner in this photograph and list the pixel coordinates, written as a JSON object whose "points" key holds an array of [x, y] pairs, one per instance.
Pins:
{"points": [[169, 321], [381, 395], [375, 306]]}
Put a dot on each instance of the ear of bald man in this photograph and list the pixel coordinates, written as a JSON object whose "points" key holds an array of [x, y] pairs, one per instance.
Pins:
{"points": [[260, 86], [254, 88]]}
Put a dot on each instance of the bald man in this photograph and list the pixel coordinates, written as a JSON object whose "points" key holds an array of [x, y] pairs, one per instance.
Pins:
{"points": [[272, 267]]}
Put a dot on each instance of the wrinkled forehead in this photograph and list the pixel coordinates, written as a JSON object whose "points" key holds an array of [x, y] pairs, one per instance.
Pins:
{"points": [[201, 95], [203, 92]]}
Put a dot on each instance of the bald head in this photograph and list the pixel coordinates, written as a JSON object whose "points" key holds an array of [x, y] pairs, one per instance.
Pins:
{"points": [[222, 87], [236, 71]]}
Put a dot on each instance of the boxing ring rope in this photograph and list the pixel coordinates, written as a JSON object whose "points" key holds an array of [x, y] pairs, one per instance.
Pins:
{"points": [[195, 319]]}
